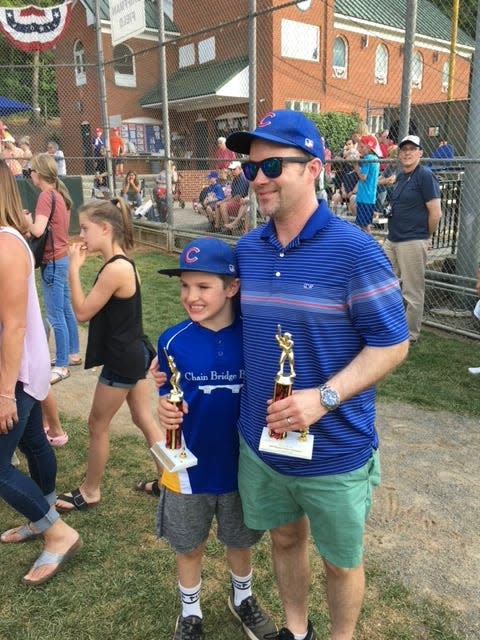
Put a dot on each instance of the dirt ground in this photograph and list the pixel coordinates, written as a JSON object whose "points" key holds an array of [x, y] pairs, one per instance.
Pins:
{"points": [[425, 523]]}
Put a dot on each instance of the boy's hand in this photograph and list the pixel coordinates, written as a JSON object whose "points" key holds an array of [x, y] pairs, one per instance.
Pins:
{"points": [[169, 415]]}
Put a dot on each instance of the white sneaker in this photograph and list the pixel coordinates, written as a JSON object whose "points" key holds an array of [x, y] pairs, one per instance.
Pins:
{"points": [[475, 371]]}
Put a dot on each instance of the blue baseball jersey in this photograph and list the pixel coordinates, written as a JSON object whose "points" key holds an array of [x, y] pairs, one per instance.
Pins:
{"points": [[334, 290], [212, 376]]}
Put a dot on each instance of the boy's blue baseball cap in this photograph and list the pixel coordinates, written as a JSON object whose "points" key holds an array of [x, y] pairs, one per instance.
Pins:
{"points": [[206, 254], [285, 127]]}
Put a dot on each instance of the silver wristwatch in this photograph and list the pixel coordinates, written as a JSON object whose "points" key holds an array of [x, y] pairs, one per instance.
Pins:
{"points": [[329, 398]]}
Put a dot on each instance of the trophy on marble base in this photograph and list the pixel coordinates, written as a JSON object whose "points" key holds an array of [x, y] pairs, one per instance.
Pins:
{"points": [[172, 453], [298, 444]]}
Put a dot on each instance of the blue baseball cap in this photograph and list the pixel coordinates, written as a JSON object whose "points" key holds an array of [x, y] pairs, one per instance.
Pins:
{"points": [[206, 254], [212, 174], [285, 127]]}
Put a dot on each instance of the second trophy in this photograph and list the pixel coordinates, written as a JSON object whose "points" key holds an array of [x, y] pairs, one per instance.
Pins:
{"points": [[289, 443], [172, 453]]}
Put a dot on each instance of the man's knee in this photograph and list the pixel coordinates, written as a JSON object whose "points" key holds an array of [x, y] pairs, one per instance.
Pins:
{"points": [[294, 534]]}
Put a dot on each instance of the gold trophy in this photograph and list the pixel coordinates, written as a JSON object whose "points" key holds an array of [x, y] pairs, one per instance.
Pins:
{"points": [[289, 443], [172, 453]]}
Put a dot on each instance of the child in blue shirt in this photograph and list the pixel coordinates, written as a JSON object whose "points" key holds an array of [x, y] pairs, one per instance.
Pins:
{"points": [[367, 173], [207, 351]]}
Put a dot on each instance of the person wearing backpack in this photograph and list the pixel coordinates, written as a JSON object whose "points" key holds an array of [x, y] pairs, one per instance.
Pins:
{"points": [[55, 203]]}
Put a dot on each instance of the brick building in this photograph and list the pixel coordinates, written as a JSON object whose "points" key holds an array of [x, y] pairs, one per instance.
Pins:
{"points": [[344, 56]]}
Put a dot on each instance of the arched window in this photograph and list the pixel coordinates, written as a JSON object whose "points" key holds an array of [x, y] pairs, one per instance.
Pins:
{"points": [[79, 62], [381, 64], [417, 71], [124, 66], [445, 76], [340, 58]]}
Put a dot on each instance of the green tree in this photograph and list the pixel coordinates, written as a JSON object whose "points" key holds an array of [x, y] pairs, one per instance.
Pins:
{"points": [[336, 127]]}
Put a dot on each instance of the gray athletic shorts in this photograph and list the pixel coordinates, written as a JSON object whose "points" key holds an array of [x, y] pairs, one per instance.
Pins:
{"points": [[185, 520]]}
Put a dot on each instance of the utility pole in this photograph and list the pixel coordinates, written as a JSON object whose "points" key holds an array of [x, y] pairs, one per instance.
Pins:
{"points": [[103, 95], [405, 99], [165, 111]]}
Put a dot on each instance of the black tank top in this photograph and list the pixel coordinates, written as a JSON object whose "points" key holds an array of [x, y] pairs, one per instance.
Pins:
{"points": [[115, 333]]}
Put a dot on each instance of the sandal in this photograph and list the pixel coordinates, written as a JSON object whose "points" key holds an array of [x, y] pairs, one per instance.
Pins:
{"points": [[58, 441], [24, 533], [58, 559], [153, 490], [74, 361], [58, 375], [76, 500]]}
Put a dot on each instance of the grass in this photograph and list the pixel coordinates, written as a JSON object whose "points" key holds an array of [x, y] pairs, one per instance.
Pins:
{"points": [[123, 584]]}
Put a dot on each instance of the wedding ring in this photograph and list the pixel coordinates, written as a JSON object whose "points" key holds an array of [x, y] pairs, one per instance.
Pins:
{"points": [[289, 420], [10, 423]]}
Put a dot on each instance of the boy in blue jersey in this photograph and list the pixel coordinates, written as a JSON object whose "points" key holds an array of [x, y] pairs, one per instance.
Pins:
{"points": [[207, 350], [330, 286], [367, 172]]}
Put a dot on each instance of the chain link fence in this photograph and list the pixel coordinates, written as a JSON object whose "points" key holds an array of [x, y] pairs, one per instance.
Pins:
{"points": [[353, 67]]}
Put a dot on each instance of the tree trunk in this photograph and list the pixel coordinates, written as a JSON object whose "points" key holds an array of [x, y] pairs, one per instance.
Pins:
{"points": [[35, 116]]}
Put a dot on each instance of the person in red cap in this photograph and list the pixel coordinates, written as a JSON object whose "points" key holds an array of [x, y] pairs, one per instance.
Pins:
{"points": [[98, 146], [367, 172], [117, 147]]}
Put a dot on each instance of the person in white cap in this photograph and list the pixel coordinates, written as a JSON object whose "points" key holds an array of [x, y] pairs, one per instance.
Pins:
{"points": [[232, 210], [415, 216]]}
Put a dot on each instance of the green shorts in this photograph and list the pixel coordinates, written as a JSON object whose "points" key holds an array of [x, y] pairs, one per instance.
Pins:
{"points": [[336, 505]]}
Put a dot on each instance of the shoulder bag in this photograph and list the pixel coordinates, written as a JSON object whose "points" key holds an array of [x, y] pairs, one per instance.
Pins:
{"points": [[37, 245]]}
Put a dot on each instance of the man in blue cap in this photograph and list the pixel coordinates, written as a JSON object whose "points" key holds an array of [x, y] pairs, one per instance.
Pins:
{"points": [[210, 196], [330, 286]]}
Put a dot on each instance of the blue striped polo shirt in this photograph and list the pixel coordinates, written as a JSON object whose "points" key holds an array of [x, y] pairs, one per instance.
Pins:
{"points": [[333, 289]]}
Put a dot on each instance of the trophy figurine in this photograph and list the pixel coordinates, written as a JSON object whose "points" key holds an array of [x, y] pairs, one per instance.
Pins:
{"points": [[291, 443], [172, 452], [283, 385]]}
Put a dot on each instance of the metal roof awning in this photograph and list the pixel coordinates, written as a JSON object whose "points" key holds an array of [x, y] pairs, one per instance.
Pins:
{"points": [[213, 84]]}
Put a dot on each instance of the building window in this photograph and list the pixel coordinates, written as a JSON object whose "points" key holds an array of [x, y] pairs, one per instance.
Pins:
{"points": [[186, 56], [375, 122], [124, 66], [381, 64], [206, 50], [417, 71], [445, 76], [79, 62], [300, 41], [340, 58], [302, 105]]}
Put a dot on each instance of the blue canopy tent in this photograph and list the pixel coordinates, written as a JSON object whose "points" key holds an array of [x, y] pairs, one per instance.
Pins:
{"points": [[8, 106]]}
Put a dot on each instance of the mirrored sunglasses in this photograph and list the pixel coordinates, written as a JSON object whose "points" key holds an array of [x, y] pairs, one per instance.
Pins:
{"points": [[271, 167]]}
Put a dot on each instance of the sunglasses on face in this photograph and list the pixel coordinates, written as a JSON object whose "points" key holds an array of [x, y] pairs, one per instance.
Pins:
{"points": [[271, 167]]}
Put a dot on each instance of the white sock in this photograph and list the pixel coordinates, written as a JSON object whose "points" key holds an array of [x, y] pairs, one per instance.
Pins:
{"points": [[302, 637], [190, 597], [242, 588]]}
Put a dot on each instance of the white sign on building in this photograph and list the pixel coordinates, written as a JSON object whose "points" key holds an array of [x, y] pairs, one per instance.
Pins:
{"points": [[127, 19]]}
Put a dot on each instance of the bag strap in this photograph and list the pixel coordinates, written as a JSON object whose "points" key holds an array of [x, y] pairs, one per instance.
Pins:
{"points": [[53, 206]]}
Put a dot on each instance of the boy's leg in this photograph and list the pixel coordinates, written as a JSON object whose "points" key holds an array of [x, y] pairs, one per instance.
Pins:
{"points": [[239, 539], [189, 571], [242, 603]]}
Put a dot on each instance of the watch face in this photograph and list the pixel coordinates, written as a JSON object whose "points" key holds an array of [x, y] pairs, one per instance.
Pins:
{"points": [[330, 398], [304, 5]]}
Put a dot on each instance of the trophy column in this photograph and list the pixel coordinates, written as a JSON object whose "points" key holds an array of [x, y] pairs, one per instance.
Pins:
{"points": [[172, 453]]}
